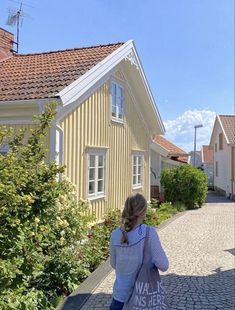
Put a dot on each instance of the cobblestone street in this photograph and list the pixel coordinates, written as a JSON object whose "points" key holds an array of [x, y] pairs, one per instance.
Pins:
{"points": [[200, 247]]}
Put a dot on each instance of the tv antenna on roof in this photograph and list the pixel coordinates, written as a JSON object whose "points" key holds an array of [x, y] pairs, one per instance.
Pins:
{"points": [[15, 17]]}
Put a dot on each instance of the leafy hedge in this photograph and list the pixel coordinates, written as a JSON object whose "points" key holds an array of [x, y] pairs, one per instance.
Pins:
{"points": [[185, 184]]}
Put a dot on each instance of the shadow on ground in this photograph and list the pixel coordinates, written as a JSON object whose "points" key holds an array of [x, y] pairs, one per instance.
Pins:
{"points": [[215, 291], [212, 197]]}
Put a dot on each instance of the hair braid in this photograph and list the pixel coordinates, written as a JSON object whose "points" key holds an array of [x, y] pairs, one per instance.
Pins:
{"points": [[135, 205]]}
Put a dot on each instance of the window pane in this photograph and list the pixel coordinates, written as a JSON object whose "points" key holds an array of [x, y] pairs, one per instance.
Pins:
{"points": [[134, 179], [101, 160], [114, 109], [119, 92], [91, 187], [92, 161], [134, 169], [139, 179], [134, 160], [120, 110], [100, 186], [113, 100], [92, 174], [100, 173], [113, 89]]}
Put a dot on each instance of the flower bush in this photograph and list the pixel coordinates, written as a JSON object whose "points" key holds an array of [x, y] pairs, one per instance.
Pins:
{"points": [[41, 224]]}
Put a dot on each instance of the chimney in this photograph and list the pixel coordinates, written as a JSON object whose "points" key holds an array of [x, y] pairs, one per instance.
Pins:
{"points": [[6, 43]]}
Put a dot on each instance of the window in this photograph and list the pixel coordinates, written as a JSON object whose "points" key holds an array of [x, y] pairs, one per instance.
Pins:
{"points": [[117, 101], [96, 174], [220, 141], [137, 170], [216, 168], [4, 149], [215, 147]]}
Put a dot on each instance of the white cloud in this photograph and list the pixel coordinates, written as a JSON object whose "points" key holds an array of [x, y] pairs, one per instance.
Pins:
{"points": [[181, 130]]}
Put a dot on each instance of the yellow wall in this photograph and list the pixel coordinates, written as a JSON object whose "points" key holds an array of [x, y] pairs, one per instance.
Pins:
{"points": [[90, 125], [17, 128]]}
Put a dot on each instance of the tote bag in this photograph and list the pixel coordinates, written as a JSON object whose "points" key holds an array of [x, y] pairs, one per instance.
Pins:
{"points": [[148, 292]]}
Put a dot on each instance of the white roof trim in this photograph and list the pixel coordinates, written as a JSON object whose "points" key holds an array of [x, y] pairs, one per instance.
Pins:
{"points": [[156, 147], [202, 154], [217, 121], [173, 162], [145, 82], [79, 87], [212, 135], [226, 138]]}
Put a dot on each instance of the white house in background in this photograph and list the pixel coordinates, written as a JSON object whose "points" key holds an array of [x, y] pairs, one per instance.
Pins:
{"points": [[198, 158], [207, 164], [164, 154], [223, 145]]}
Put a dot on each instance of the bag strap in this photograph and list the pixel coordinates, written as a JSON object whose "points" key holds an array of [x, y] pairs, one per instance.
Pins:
{"points": [[145, 244]]}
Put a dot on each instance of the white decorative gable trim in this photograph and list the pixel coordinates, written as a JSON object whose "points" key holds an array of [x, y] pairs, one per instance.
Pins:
{"points": [[131, 57], [74, 94]]}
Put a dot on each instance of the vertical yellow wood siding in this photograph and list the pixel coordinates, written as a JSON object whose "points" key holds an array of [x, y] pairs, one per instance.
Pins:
{"points": [[17, 128], [90, 125]]}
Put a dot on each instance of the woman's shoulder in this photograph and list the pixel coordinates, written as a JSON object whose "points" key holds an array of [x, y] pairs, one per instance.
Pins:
{"points": [[116, 232], [152, 230]]}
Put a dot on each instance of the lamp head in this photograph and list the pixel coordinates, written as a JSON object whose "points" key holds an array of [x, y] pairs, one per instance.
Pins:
{"points": [[198, 126]]}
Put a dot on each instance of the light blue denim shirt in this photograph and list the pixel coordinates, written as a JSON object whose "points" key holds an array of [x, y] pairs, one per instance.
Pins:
{"points": [[127, 259]]}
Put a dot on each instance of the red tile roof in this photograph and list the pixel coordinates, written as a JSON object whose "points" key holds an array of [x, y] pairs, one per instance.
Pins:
{"points": [[43, 75], [172, 148], [175, 152], [228, 123], [207, 155]]}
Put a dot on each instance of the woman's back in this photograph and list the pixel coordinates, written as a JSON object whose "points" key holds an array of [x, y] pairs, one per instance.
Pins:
{"points": [[126, 259]]}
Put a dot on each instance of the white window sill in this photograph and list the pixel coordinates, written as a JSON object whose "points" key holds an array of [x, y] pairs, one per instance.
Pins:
{"points": [[137, 187], [117, 120], [96, 197]]}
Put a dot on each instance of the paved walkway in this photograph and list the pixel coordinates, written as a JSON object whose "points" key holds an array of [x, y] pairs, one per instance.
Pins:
{"points": [[201, 249]]}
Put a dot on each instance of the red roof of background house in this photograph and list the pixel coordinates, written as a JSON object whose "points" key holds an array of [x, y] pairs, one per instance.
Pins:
{"points": [[175, 152], [228, 123], [43, 75], [207, 155]]}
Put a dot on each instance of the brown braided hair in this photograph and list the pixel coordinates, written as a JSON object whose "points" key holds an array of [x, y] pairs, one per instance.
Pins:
{"points": [[134, 207]]}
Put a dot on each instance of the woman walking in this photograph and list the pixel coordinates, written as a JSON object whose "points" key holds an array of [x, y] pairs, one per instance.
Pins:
{"points": [[126, 249]]}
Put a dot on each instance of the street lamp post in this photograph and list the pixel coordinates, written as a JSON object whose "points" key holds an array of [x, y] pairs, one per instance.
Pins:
{"points": [[194, 152]]}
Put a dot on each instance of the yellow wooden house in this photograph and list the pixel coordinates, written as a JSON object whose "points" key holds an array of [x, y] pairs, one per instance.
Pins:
{"points": [[105, 118]]}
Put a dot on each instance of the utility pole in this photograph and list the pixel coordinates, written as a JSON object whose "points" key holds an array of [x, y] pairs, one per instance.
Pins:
{"points": [[195, 137]]}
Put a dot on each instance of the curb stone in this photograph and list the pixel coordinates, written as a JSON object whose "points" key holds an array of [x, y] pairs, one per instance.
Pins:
{"points": [[77, 298]]}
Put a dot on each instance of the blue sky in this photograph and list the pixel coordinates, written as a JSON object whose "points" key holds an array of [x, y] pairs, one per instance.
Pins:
{"points": [[186, 48]]}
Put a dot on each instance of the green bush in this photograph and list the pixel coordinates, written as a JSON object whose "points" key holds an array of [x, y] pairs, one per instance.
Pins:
{"points": [[185, 185], [156, 216], [41, 224]]}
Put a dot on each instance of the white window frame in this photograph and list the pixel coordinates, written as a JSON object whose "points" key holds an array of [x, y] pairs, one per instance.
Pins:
{"points": [[116, 118], [96, 152], [139, 169]]}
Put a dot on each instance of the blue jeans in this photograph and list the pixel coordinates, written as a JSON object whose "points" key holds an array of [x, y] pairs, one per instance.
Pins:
{"points": [[116, 305]]}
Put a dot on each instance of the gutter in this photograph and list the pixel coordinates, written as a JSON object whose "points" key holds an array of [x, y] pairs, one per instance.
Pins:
{"points": [[60, 141]]}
